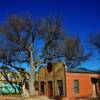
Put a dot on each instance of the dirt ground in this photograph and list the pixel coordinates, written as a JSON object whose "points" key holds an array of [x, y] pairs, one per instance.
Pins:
{"points": [[18, 97]]}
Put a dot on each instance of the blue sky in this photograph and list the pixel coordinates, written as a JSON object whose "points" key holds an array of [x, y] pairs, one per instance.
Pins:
{"points": [[80, 17]]}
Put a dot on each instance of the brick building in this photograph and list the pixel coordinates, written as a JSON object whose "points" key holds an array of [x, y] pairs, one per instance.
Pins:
{"points": [[55, 81]]}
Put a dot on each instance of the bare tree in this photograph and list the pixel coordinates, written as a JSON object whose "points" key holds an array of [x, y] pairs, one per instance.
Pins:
{"points": [[95, 41], [74, 52], [53, 39], [17, 37], [58, 45]]}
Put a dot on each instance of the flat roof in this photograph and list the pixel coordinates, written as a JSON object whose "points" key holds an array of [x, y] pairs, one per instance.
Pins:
{"points": [[83, 70]]}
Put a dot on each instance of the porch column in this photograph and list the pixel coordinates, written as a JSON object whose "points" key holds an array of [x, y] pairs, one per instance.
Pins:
{"points": [[94, 90]]}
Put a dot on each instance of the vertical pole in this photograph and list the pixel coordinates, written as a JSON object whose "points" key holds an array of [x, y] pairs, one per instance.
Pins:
{"points": [[94, 90], [54, 77]]}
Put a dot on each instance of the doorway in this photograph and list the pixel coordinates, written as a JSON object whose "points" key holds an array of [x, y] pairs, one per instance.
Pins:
{"points": [[50, 88], [60, 87], [42, 87]]}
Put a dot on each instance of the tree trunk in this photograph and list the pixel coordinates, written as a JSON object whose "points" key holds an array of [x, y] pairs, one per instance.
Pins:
{"points": [[32, 78]]}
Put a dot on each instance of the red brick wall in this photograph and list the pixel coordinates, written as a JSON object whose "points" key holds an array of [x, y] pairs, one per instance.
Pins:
{"points": [[85, 84]]}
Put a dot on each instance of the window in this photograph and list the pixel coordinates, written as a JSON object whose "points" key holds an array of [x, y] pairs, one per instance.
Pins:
{"points": [[49, 67], [76, 86]]}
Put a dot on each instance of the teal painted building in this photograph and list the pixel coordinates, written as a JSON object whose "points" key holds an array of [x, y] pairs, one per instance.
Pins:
{"points": [[7, 88]]}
